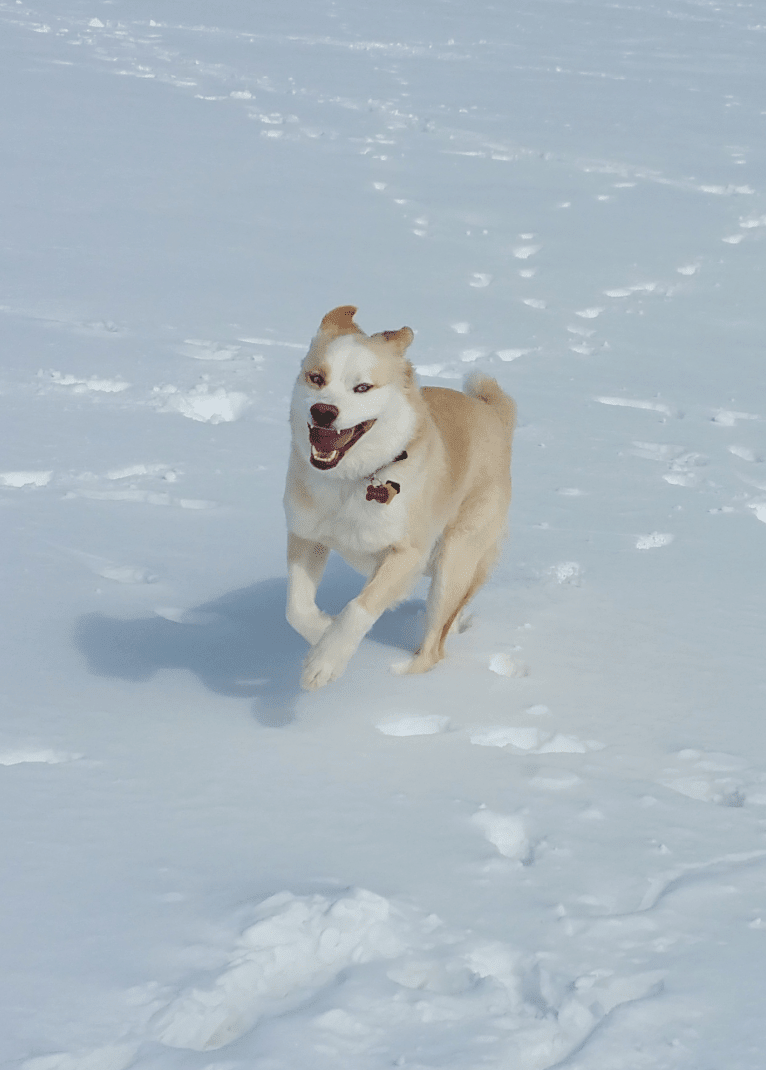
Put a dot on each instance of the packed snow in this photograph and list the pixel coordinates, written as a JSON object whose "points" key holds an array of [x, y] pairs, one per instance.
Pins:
{"points": [[551, 850]]}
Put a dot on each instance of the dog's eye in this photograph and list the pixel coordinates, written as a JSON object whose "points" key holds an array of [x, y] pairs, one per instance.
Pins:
{"points": [[316, 379], [362, 388]]}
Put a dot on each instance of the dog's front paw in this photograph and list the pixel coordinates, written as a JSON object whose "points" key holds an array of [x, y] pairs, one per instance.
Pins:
{"points": [[319, 669], [329, 658]]}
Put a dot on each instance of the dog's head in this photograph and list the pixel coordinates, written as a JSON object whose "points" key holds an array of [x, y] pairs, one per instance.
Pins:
{"points": [[354, 406]]}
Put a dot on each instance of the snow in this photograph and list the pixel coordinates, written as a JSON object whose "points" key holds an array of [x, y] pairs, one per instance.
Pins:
{"points": [[551, 848]]}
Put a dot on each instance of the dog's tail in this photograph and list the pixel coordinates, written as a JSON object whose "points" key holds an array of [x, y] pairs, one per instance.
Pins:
{"points": [[488, 390]]}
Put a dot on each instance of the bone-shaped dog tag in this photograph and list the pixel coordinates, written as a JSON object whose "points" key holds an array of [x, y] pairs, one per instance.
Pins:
{"points": [[384, 493]]}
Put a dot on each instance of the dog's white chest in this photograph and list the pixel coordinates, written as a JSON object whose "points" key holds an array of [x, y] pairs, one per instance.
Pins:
{"points": [[341, 517]]}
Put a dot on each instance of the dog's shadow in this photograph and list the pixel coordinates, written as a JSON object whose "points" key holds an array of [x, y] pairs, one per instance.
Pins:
{"points": [[239, 645]]}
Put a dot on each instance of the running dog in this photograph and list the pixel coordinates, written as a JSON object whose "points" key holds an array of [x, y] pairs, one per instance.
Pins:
{"points": [[400, 481]]}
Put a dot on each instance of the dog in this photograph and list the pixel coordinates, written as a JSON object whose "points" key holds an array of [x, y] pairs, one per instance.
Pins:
{"points": [[400, 481]]}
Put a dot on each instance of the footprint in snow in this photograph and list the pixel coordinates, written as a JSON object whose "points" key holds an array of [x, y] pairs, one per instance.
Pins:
{"points": [[33, 755], [714, 777], [637, 403], [200, 349], [533, 739], [414, 725], [134, 492], [727, 418], [746, 454], [416, 969], [507, 833], [523, 252], [654, 540], [202, 404], [84, 386], [681, 466], [25, 479]]}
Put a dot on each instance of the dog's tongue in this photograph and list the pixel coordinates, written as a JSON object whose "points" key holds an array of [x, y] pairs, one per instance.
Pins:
{"points": [[326, 440]]}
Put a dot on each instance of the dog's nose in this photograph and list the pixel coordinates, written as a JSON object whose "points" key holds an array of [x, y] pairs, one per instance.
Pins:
{"points": [[323, 415]]}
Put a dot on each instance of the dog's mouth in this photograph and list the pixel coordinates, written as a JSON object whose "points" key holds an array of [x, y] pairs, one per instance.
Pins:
{"points": [[328, 447]]}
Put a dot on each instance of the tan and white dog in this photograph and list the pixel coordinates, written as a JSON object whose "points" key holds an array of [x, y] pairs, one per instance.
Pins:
{"points": [[399, 481]]}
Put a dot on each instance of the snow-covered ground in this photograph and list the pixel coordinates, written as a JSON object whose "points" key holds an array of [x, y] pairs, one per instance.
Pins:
{"points": [[552, 849]]}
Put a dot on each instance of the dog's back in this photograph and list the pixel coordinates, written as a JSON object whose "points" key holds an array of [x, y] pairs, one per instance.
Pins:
{"points": [[476, 427]]}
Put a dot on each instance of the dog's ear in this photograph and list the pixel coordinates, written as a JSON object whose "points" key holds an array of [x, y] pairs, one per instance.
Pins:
{"points": [[340, 321], [401, 340]]}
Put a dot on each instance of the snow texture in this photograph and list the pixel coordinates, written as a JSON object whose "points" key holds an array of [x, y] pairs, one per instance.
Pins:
{"points": [[547, 852]]}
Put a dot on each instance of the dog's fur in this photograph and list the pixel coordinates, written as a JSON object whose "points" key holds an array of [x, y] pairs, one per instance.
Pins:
{"points": [[448, 518]]}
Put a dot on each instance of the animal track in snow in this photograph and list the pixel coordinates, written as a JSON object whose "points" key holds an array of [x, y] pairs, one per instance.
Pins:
{"points": [[145, 497], [505, 665], [589, 313], [199, 349], [753, 221], [33, 755], [636, 403], [428, 724], [533, 302], [626, 291], [555, 780], [512, 354], [83, 386], [709, 777], [438, 371], [727, 418], [297, 946], [653, 541], [479, 280], [531, 739], [567, 572], [25, 479], [506, 832], [746, 454], [682, 466], [470, 355], [682, 470], [419, 974], [274, 342], [523, 252], [109, 570], [131, 471], [134, 492], [203, 404]]}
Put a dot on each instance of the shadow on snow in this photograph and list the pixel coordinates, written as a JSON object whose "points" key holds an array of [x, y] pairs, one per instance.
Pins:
{"points": [[239, 645]]}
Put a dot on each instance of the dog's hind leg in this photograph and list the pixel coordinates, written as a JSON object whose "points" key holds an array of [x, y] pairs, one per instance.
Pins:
{"points": [[306, 562], [457, 578]]}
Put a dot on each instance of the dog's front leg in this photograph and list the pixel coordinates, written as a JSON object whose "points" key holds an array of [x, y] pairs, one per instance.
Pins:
{"points": [[305, 564], [392, 581]]}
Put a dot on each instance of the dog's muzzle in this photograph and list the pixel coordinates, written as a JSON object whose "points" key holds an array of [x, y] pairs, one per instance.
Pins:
{"points": [[329, 446]]}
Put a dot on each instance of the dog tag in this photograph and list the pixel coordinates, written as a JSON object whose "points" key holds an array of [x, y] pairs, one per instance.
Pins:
{"points": [[383, 493]]}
